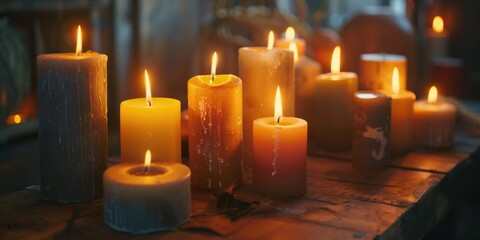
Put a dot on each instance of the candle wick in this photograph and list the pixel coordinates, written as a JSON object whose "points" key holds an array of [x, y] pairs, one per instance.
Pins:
{"points": [[278, 120], [147, 169], [149, 102], [212, 78]]}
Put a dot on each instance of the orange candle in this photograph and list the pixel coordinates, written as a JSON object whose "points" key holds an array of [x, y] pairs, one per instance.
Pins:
{"points": [[376, 71], [434, 122], [401, 131], [215, 129], [290, 37], [280, 154]]}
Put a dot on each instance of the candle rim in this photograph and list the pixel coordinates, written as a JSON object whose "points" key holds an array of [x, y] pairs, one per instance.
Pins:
{"points": [[382, 57], [157, 102], [287, 122], [71, 56], [175, 172], [226, 80], [342, 76], [377, 94]]}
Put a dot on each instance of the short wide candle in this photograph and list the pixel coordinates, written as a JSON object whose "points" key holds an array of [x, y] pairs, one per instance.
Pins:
{"points": [[140, 203], [73, 148], [280, 154], [215, 130]]}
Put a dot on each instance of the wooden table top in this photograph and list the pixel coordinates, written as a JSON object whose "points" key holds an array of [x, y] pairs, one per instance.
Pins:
{"points": [[406, 200]]}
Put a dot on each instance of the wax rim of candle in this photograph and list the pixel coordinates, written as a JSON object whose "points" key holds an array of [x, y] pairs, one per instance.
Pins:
{"points": [[382, 57], [286, 122], [339, 76], [71, 56], [220, 80], [426, 106], [264, 49], [175, 172], [153, 171], [370, 95], [156, 102]]}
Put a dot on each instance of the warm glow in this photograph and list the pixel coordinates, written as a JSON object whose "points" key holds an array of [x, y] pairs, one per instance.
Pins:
{"points": [[437, 24], [17, 119], [148, 91], [278, 106], [271, 39], [79, 41], [335, 64], [290, 34], [395, 81], [432, 95], [148, 160], [293, 47], [214, 67], [366, 95]]}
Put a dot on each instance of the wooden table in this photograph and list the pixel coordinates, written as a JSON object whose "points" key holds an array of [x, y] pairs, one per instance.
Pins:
{"points": [[404, 201]]}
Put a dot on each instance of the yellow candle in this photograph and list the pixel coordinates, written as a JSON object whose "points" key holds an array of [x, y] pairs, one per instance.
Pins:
{"points": [[262, 70], [376, 71], [215, 130], [401, 131], [280, 151], [289, 38], [73, 147], [143, 198], [332, 128], [150, 123], [434, 122]]}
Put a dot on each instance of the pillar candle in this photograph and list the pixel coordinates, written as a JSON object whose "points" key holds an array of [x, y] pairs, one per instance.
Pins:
{"points": [[280, 153], [371, 128], [150, 123], [376, 71], [401, 120], [434, 122], [139, 199], [73, 148], [437, 39], [290, 37], [332, 128], [261, 70], [215, 130]]}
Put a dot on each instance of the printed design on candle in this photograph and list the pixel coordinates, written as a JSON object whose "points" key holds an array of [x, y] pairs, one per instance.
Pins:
{"points": [[377, 135]]}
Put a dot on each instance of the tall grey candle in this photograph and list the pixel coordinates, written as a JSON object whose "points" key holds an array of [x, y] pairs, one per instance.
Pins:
{"points": [[72, 92], [371, 130]]}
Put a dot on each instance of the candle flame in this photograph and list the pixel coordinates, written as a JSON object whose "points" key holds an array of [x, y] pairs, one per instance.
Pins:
{"points": [[432, 95], [290, 34], [395, 81], [214, 67], [148, 91], [293, 47], [148, 160], [79, 40], [437, 24], [278, 106], [271, 39], [335, 64], [17, 119]]}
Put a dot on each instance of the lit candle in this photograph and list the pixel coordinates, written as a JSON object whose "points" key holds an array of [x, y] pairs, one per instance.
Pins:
{"points": [[262, 70], [332, 128], [73, 150], [401, 121], [280, 154], [371, 128], [437, 38], [434, 122], [289, 38], [150, 123], [215, 129], [143, 198], [376, 71]]}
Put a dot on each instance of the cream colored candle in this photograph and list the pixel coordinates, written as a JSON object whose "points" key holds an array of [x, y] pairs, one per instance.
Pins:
{"points": [[376, 71], [280, 150], [262, 70], [290, 37], [143, 198], [73, 148], [150, 123], [215, 130], [437, 39], [401, 131], [434, 122], [332, 128]]}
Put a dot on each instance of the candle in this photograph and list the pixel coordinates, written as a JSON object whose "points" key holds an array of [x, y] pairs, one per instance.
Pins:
{"points": [[289, 38], [73, 149], [376, 71], [261, 70], [150, 123], [401, 120], [143, 198], [215, 129], [280, 154], [371, 128], [332, 128], [437, 38], [434, 122]]}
